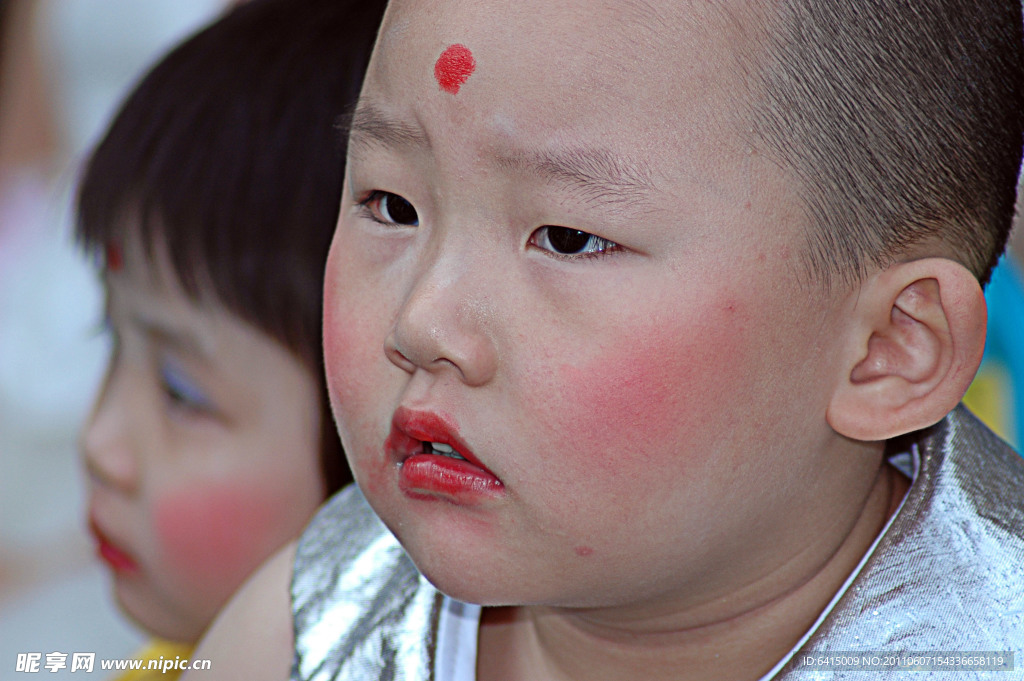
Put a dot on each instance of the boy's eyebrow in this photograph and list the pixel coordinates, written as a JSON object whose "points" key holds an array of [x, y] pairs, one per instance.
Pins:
{"points": [[599, 176], [177, 339], [368, 125]]}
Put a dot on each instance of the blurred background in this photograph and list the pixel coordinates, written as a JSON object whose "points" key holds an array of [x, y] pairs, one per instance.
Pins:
{"points": [[64, 67]]}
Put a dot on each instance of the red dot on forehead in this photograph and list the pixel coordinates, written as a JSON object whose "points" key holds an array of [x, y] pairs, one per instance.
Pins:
{"points": [[454, 67], [115, 261]]}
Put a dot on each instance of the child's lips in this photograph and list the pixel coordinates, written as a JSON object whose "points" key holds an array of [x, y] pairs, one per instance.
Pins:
{"points": [[118, 560], [424, 473], [457, 481]]}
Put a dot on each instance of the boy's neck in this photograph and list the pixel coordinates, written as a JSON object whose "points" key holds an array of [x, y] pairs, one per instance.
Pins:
{"points": [[555, 644]]}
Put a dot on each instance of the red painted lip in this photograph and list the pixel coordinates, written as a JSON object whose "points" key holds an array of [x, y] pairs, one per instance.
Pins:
{"points": [[426, 475], [110, 553]]}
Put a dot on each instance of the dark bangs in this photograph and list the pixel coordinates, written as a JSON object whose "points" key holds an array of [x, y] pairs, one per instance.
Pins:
{"points": [[227, 153]]}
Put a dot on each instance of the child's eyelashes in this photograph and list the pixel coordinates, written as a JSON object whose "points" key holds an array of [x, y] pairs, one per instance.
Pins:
{"points": [[566, 243], [181, 390], [389, 209], [571, 244]]}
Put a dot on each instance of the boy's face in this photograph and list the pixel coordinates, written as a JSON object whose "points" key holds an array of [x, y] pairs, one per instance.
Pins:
{"points": [[643, 403], [202, 450]]}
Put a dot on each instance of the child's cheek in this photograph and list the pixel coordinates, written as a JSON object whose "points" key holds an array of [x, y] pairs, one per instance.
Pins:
{"points": [[353, 355], [661, 391], [345, 367], [214, 535]]}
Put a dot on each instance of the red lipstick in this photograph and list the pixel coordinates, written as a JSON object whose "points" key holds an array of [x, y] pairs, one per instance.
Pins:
{"points": [[118, 560], [425, 472]]}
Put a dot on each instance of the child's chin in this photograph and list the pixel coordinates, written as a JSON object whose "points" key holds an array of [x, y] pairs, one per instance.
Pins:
{"points": [[140, 608], [446, 575], [466, 591], [475, 587]]}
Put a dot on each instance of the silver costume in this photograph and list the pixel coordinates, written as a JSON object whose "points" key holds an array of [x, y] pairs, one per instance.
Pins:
{"points": [[948, 575]]}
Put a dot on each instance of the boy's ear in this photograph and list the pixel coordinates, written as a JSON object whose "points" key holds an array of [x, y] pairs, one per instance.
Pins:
{"points": [[918, 334]]}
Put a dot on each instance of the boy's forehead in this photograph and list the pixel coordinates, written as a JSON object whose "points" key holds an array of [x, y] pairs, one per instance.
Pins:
{"points": [[575, 22], [664, 50], [663, 81]]}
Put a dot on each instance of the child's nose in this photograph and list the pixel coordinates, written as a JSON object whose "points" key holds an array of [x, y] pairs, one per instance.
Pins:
{"points": [[446, 324], [105, 440]]}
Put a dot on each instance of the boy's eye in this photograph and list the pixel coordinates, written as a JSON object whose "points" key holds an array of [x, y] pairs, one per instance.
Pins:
{"points": [[181, 391], [568, 241], [389, 208]]}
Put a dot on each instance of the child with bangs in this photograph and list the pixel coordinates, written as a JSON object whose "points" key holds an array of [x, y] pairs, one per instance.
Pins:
{"points": [[646, 327], [210, 204]]}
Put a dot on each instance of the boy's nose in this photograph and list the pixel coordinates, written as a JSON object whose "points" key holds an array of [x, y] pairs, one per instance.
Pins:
{"points": [[105, 440], [446, 324]]}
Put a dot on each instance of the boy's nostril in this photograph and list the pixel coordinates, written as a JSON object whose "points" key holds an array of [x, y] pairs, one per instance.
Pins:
{"points": [[397, 357]]}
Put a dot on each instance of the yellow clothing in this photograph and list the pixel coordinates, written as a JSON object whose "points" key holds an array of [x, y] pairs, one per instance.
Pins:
{"points": [[155, 650], [991, 399]]}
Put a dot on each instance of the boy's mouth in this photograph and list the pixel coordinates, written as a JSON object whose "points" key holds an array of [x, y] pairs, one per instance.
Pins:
{"points": [[433, 461], [441, 449], [111, 554]]}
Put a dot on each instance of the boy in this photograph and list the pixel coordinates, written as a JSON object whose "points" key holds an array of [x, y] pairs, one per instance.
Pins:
{"points": [[624, 322], [211, 200]]}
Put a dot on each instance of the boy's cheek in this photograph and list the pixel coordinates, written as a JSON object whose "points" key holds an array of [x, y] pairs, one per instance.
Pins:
{"points": [[353, 337], [662, 389], [341, 356], [354, 360], [213, 535]]}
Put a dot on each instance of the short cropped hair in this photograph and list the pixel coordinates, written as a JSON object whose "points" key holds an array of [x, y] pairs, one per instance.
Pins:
{"points": [[902, 122], [227, 153]]}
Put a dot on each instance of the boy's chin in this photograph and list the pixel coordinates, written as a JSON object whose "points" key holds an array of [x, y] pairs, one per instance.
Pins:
{"points": [[495, 584], [152, 618], [466, 577], [485, 592], [463, 587]]}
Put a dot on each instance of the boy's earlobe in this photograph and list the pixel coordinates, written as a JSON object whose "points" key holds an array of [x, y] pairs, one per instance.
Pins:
{"points": [[919, 333]]}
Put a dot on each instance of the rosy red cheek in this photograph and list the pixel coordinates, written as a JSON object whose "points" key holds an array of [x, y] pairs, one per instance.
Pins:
{"points": [[350, 340], [213, 536], [338, 348], [353, 347], [658, 391]]}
